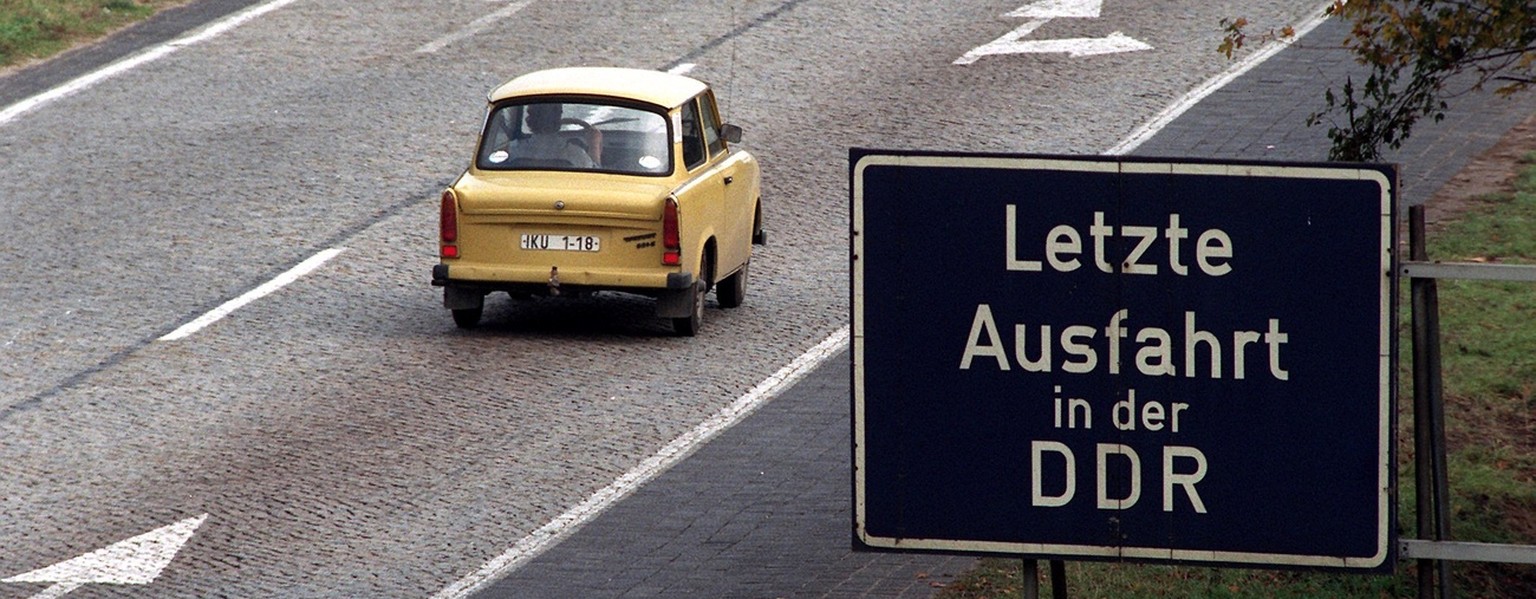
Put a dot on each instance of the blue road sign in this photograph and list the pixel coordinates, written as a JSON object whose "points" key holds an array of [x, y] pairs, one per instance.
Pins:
{"points": [[1118, 358]]}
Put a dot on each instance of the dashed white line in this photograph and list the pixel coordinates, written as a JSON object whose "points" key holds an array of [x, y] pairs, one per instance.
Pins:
{"points": [[473, 27], [148, 56], [562, 526], [230, 306], [682, 69]]}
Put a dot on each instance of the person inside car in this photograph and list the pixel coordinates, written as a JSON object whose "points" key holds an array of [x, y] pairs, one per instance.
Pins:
{"points": [[547, 146]]}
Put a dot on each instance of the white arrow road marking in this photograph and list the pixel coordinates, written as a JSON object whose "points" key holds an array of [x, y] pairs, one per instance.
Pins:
{"points": [[138, 560], [1074, 47], [1040, 13], [1050, 9], [1012, 37]]}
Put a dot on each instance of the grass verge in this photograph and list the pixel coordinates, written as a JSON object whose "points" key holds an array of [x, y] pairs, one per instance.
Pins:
{"points": [[37, 29], [1488, 342]]}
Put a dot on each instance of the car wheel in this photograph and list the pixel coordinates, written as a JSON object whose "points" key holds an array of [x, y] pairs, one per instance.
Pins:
{"points": [[467, 318], [733, 290], [688, 326]]}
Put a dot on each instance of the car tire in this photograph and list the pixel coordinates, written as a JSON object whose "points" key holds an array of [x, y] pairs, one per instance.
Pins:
{"points": [[759, 234], [733, 290], [467, 318], [688, 326]]}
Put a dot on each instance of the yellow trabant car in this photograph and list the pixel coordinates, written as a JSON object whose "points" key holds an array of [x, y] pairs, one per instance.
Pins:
{"points": [[602, 179]]}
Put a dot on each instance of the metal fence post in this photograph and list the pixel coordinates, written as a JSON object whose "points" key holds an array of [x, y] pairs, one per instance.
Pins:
{"points": [[1431, 487], [1058, 579]]}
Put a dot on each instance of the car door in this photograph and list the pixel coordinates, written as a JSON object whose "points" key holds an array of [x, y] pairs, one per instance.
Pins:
{"points": [[737, 174], [701, 199]]}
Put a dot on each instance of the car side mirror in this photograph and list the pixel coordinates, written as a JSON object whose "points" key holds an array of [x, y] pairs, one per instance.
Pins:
{"points": [[731, 133]]}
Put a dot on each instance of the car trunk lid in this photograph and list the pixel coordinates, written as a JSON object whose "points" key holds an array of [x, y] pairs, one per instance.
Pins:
{"points": [[561, 195]]}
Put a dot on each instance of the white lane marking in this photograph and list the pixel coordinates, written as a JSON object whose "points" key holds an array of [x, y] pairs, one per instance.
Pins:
{"points": [[556, 530], [1162, 119], [682, 69], [548, 535], [137, 560], [474, 27], [92, 78], [293, 274]]}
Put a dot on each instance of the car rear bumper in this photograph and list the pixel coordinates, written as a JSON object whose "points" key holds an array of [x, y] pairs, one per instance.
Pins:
{"points": [[538, 280]]}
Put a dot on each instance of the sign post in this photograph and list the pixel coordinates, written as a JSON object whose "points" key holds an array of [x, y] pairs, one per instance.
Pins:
{"points": [[1120, 358]]}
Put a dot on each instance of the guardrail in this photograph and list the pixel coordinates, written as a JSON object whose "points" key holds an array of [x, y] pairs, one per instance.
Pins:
{"points": [[1434, 548]]}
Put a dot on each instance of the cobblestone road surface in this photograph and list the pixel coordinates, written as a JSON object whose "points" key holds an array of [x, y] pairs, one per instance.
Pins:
{"points": [[344, 438]]}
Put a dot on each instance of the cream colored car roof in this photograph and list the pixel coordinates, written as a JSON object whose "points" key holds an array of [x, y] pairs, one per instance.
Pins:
{"points": [[654, 87]]}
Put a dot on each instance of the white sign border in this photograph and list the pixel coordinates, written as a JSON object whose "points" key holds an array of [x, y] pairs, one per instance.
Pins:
{"points": [[1110, 164]]}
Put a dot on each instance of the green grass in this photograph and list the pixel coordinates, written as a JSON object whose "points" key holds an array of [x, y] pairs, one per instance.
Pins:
{"points": [[1488, 346], [35, 29]]}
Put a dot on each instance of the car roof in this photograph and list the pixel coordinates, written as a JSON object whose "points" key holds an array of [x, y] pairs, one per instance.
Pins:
{"points": [[654, 87]]}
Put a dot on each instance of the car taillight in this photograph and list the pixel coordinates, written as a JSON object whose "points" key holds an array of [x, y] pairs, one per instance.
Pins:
{"points": [[448, 224], [671, 245]]}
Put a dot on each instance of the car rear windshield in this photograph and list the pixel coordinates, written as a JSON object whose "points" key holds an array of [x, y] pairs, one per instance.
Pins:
{"points": [[580, 135]]}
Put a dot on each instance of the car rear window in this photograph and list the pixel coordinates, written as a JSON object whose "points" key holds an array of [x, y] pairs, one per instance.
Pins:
{"points": [[575, 135]]}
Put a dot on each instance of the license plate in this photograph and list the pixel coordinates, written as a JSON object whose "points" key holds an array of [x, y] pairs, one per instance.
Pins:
{"points": [[563, 243]]}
